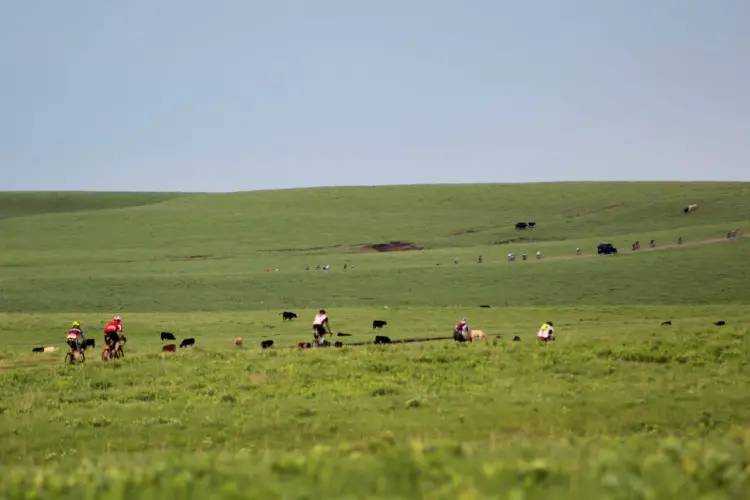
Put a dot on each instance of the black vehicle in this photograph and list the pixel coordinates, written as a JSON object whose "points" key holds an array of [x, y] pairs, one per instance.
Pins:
{"points": [[605, 248]]}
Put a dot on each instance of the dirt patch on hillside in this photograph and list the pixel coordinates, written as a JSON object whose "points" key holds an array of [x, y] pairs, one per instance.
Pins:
{"points": [[190, 257], [393, 246], [197, 257]]}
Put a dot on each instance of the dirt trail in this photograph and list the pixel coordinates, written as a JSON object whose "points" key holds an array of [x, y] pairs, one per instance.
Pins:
{"points": [[668, 246]]}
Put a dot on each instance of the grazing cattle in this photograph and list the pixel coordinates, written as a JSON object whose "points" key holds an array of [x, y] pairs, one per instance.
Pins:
{"points": [[338, 344], [516, 339], [238, 341], [265, 344], [343, 334], [382, 339], [50, 349], [690, 208], [478, 334], [304, 345], [378, 324], [521, 225], [37, 349], [532, 224], [485, 306], [288, 315], [666, 323], [169, 348], [187, 342], [90, 342], [167, 336], [720, 323]]}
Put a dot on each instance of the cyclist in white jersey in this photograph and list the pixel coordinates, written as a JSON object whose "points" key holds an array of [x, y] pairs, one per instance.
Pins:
{"points": [[319, 327]]}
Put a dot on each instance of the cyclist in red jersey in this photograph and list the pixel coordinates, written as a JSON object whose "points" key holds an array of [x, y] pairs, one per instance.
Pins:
{"points": [[113, 334], [462, 332]]}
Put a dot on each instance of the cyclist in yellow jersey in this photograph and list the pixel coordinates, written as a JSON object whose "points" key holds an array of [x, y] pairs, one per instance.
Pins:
{"points": [[75, 338]]}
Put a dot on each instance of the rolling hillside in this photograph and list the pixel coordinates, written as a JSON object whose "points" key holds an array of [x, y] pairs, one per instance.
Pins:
{"points": [[209, 252], [620, 406], [431, 216]]}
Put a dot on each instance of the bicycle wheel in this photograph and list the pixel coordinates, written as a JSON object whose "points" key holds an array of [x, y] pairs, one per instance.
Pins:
{"points": [[105, 355], [69, 360], [83, 356]]}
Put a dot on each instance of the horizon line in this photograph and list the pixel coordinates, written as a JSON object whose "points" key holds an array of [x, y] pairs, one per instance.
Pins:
{"points": [[354, 186]]}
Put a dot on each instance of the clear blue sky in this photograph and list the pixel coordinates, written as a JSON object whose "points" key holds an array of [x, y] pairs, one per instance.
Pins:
{"points": [[228, 95]]}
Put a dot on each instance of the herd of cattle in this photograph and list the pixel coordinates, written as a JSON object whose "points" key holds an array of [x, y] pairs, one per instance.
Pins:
{"points": [[380, 339], [173, 347], [286, 316]]}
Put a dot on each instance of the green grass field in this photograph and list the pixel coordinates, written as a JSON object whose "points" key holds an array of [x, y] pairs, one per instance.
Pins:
{"points": [[618, 407]]}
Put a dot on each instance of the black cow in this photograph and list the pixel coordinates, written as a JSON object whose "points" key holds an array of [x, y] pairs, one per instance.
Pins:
{"points": [[187, 342], [90, 342], [288, 315], [532, 224], [265, 344], [378, 324], [343, 334], [167, 336], [338, 344], [485, 306], [37, 349], [516, 339], [666, 323], [382, 339], [720, 323], [521, 225]]}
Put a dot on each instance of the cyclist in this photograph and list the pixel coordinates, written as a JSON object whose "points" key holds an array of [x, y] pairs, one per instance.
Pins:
{"points": [[75, 338], [319, 327], [462, 332], [113, 334], [546, 332]]}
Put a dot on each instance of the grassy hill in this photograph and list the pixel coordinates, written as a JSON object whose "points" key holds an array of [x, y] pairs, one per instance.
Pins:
{"points": [[432, 216], [618, 407], [209, 252]]}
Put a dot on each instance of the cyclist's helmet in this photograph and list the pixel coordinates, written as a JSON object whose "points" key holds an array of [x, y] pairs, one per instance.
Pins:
{"points": [[76, 324], [117, 318]]}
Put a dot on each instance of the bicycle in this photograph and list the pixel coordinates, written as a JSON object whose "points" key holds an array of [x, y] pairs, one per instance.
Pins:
{"points": [[108, 354], [70, 358]]}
